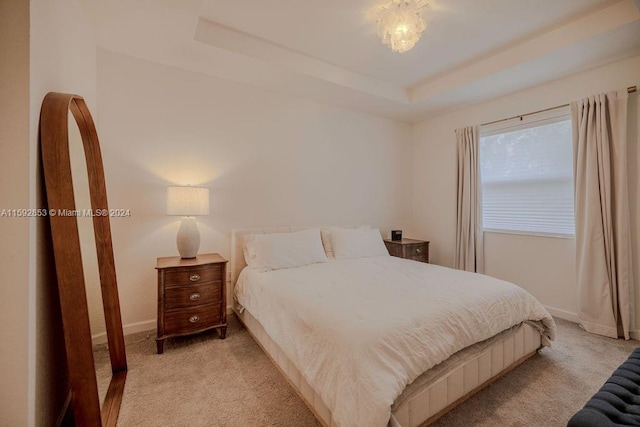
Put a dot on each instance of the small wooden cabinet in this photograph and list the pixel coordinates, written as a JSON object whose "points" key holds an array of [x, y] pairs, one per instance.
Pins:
{"points": [[191, 296], [417, 250]]}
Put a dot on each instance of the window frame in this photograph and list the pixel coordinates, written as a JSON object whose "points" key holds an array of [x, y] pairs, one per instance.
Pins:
{"points": [[554, 115]]}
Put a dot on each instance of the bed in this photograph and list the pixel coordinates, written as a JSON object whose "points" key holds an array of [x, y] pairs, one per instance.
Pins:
{"points": [[379, 340]]}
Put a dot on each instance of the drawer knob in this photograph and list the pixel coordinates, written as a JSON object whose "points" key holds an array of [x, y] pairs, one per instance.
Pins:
{"points": [[194, 297], [419, 250], [194, 319], [194, 277]]}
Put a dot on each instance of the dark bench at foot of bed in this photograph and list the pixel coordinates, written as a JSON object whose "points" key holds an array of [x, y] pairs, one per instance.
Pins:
{"points": [[617, 403]]}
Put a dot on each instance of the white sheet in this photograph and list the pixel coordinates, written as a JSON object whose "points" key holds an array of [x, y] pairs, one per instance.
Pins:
{"points": [[360, 330]]}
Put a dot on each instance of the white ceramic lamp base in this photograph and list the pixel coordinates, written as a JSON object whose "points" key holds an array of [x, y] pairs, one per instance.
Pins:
{"points": [[188, 239]]}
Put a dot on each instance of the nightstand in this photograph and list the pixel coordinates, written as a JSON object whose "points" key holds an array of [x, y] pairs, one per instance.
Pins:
{"points": [[417, 250], [191, 296]]}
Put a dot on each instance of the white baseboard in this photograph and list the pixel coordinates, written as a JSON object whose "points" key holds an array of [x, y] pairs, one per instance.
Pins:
{"points": [[133, 328], [634, 334], [145, 325], [127, 329], [563, 314], [148, 325]]}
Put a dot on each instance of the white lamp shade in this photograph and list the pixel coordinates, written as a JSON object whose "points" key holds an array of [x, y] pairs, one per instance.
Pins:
{"points": [[187, 201]]}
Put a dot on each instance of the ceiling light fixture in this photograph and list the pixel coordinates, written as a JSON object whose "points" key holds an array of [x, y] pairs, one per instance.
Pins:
{"points": [[400, 24]]}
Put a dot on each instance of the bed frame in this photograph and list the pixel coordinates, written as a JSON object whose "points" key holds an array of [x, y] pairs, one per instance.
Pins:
{"points": [[431, 395]]}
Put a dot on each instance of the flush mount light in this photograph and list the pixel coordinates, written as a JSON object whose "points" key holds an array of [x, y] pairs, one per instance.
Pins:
{"points": [[400, 24]]}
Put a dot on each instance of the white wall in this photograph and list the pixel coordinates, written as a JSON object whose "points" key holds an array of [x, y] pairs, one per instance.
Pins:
{"points": [[14, 194], [542, 265], [63, 59], [269, 160]]}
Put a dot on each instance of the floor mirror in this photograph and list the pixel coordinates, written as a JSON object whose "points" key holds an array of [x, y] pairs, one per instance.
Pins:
{"points": [[84, 262]]}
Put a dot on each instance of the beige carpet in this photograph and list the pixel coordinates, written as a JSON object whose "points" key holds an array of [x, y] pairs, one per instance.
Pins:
{"points": [[204, 381]]}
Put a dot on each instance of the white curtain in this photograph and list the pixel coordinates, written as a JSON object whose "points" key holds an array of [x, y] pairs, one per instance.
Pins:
{"points": [[603, 242], [469, 245]]}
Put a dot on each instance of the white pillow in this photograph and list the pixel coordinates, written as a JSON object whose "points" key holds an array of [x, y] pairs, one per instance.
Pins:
{"points": [[325, 234], [283, 250], [357, 243]]}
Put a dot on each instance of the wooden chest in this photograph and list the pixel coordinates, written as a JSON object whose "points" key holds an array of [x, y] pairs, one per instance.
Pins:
{"points": [[191, 296]]}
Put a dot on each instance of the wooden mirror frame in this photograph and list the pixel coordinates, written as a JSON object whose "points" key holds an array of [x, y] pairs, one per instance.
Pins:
{"points": [[54, 140]]}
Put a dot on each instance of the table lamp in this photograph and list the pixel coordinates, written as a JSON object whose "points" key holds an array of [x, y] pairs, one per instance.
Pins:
{"points": [[188, 202]]}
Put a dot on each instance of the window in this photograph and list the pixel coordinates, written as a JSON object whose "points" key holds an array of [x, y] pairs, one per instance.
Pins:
{"points": [[527, 175]]}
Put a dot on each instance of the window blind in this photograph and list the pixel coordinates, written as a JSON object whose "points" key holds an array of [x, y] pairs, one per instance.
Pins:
{"points": [[527, 176]]}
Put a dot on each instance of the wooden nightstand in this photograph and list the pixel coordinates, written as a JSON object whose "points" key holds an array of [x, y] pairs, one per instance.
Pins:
{"points": [[417, 250], [191, 296]]}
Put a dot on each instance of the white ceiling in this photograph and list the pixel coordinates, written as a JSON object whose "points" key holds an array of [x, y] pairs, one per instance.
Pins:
{"points": [[328, 50]]}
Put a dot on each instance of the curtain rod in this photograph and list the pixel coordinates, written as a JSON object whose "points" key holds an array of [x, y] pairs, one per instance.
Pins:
{"points": [[630, 89]]}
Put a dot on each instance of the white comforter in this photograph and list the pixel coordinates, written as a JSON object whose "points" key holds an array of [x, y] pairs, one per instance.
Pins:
{"points": [[360, 330]]}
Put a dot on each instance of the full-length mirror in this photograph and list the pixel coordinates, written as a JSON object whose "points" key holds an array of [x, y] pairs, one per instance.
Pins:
{"points": [[85, 269], [86, 233]]}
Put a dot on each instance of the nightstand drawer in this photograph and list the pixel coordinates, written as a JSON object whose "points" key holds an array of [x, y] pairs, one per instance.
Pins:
{"points": [[421, 258], [191, 276], [416, 250], [193, 295], [192, 319]]}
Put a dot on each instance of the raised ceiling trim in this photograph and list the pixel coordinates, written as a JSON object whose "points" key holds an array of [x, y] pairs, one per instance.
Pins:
{"points": [[579, 30], [229, 39]]}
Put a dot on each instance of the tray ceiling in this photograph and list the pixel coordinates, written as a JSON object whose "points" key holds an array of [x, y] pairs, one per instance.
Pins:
{"points": [[328, 50]]}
